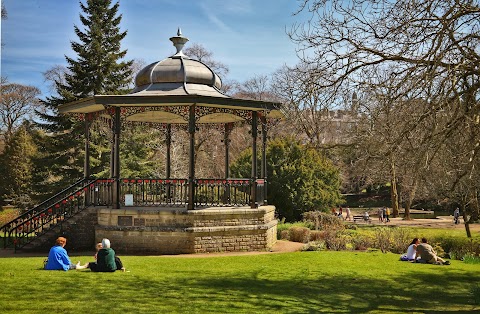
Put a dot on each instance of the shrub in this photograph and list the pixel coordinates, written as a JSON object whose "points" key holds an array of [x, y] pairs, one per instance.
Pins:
{"points": [[299, 234], [458, 248], [362, 242], [316, 235], [314, 246], [395, 240], [471, 259], [335, 240], [284, 235], [286, 226], [323, 221], [7, 215], [383, 239], [401, 239]]}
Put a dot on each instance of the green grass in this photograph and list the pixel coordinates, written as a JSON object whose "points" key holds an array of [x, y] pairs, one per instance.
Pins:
{"points": [[302, 282]]}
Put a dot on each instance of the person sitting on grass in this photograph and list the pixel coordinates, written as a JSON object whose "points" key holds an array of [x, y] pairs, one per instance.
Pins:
{"points": [[106, 260], [58, 258], [428, 255], [411, 251]]}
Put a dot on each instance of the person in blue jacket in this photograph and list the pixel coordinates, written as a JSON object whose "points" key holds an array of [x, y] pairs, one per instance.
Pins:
{"points": [[58, 258]]}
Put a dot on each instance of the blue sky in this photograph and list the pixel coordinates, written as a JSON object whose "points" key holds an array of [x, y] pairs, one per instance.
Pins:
{"points": [[246, 35]]}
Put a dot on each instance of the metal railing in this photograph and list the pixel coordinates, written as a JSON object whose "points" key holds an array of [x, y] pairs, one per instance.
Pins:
{"points": [[36, 221], [174, 192], [133, 192], [222, 192], [153, 192]]}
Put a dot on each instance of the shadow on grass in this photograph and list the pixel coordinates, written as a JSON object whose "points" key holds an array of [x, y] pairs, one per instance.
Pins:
{"points": [[305, 293]]}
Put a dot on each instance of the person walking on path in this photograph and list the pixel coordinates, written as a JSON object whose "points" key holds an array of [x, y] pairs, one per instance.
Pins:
{"points": [[386, 214], [348, 214], [340, 212], [456, 216], [380, 214]]}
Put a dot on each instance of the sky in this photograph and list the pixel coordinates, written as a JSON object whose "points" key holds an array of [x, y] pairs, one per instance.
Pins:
{"points": [[249, 36]]}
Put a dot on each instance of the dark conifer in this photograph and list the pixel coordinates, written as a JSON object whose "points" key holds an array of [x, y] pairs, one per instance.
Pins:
{"points": [[98, 68]]}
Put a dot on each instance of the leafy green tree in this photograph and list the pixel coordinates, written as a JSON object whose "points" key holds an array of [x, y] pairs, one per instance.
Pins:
{"points": [[16, 167], [98, 69], [300, 179]]}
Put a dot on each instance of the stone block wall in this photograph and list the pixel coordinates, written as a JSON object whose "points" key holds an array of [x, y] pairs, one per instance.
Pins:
{"points": [[180, 231], [80, 231]]}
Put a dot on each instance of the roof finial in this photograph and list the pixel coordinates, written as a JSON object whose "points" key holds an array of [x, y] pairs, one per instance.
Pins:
{"points": [[179, 41]]}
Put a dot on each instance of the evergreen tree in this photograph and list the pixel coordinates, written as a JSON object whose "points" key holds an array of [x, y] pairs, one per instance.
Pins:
{"points": [[16, 167], [97, 69], [300, 179]]}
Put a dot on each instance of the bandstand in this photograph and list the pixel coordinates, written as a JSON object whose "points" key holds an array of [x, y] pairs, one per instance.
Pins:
{"points": [[180, 215]]}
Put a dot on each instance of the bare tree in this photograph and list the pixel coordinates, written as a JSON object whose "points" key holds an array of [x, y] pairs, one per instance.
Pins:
{"points": [[434, 42], [319, 114], [136, 66], [200, 53], [429, 54], [18, 102], [55, 75], [256, 88]]}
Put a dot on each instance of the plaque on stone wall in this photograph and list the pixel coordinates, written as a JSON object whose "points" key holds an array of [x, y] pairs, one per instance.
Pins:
{"points": [[139, 222], [125, 221]]}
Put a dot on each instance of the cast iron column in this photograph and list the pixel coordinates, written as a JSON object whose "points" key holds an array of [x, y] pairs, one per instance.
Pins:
{"points": [[191, 162], [253, 192], [264, 159], [168, 142], [226, 142], [86, 165], [112, 151], [116, 159]]}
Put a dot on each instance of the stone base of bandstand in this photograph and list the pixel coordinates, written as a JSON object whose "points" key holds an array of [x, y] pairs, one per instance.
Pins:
{"points": [[179, 231]]}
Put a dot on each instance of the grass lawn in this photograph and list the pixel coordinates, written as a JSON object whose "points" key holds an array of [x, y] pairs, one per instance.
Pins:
{"points": [[301, 282]]}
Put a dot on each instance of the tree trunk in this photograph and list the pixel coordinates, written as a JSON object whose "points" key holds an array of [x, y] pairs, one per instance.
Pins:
{"points": [[466, 221], [411, 196], [393, 190]]}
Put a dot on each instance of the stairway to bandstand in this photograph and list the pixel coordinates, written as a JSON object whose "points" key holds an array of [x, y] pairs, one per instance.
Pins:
{"points": [[37, 228]]}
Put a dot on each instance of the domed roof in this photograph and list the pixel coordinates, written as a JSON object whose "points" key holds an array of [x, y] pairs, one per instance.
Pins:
{"points": [[178, 75]]}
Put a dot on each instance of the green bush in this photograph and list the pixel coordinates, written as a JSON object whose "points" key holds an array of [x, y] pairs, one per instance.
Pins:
{"points": [[282, 225], [471, 259], [457, 248], [300, 178]]}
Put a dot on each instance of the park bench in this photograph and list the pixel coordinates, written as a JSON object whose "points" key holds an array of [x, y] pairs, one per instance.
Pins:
{"points": [[361, 218]]}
